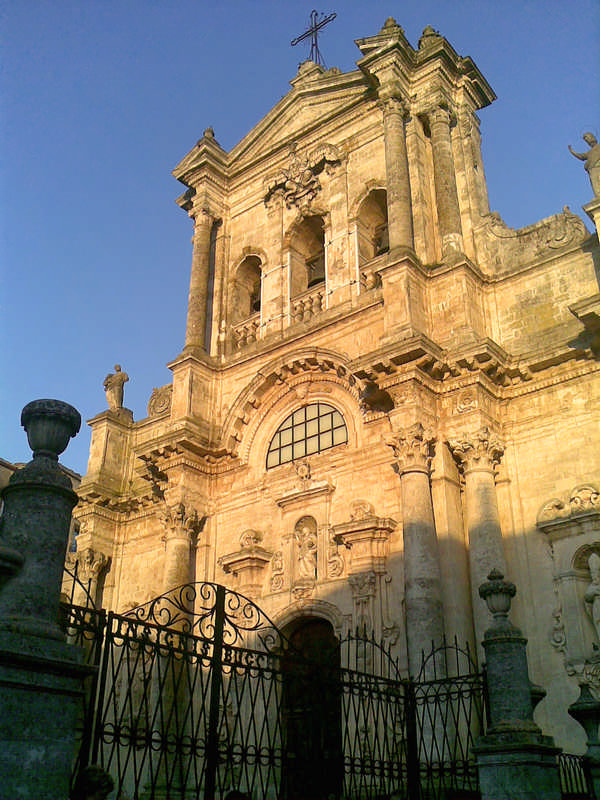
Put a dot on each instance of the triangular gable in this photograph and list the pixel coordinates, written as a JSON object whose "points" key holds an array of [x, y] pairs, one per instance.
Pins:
{"points": [[311, 101]]}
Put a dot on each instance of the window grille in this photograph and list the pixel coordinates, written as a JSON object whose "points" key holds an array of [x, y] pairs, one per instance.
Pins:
{"points": [[310, 429]]}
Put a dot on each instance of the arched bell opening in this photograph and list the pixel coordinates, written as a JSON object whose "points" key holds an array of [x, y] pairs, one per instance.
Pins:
{"points": [[246, 291], [372, 226], [307, 255]]}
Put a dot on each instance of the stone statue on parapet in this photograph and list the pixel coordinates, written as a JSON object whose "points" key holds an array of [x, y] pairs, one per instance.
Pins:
{"points": [[592, 593], [113, 386], [591, 159]]}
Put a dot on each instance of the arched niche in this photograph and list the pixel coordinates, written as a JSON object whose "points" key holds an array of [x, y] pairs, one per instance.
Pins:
{"points": [[246, 290], [307, 254], [372, 226]]}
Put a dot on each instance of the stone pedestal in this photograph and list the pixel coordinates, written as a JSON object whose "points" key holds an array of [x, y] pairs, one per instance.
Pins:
{"points": [[514, 758], [40, 675], [422, 581]]}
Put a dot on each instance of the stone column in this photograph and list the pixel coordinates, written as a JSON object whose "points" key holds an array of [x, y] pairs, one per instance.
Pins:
{"points": [[445, 182], [40, 674], [515, 760], [400, 223], [181, 527], [195, 332], [478, 457], [423, 593]]}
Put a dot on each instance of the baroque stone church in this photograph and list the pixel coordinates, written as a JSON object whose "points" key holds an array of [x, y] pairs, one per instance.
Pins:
{"points": [[384, 392]]}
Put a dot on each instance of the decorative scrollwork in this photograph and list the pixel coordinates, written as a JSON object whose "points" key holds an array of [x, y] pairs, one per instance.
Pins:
{"points": [[202, 609]]}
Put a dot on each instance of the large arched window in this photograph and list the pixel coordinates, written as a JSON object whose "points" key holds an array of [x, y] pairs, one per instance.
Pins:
{"points": [[308, 430]]}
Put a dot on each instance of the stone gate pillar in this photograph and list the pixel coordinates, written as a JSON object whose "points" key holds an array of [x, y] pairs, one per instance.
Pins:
{"points": [[515, 760], [423, 592], [477, 458], [445, 182], [195, 332], [40, 674], [399, 205]]}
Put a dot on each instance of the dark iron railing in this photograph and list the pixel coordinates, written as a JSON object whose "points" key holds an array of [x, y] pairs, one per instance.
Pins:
{"points": [[198, 692]]}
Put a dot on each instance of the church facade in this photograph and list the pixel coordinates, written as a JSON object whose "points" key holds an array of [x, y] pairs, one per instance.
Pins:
{"points": [[384, 393]]}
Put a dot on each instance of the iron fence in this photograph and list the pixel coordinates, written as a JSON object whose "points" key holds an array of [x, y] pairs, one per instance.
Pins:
{"points": [[198, 693]]}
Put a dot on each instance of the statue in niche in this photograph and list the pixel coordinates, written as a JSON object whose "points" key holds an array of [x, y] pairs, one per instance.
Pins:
{"points": [[113, 386], [305, 532], [591, 159], [592, 593]]}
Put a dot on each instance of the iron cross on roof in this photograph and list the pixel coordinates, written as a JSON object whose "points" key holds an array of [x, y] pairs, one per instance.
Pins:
{"points": [[315, 26]]}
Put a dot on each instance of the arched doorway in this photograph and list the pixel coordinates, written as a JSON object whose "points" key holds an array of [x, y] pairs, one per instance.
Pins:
{"points": [[311, 712]]}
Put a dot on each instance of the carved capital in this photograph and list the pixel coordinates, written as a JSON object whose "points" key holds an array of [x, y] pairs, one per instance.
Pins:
{"points": [[88, 563], [362, 585], [413, 448], [180, 522], [481, 451], [392, 102]]}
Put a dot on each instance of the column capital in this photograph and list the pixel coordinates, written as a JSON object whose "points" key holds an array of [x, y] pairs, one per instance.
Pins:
{"points": [[391, 102], [88, 562], [180, 522], [481, 451], [413, 448]]}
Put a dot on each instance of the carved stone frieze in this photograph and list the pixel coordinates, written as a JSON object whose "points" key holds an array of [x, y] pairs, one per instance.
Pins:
{"points": [[502, 245], [481, 450], [413, 447], [299, 183], [160, 400]]}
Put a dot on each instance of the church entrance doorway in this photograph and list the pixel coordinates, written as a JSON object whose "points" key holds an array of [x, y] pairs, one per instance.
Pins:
{"points": [[311, 712]]}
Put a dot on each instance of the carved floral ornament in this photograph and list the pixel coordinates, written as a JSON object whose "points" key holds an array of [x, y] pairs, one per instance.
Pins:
{"points": [[299, 183]]}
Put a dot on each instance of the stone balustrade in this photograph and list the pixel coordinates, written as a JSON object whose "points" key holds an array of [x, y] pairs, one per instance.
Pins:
{"points": [[309, 304], [246, 332]]}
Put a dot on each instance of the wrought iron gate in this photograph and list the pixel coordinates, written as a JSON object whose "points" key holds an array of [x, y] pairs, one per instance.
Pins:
{"points": [[198, 693]]}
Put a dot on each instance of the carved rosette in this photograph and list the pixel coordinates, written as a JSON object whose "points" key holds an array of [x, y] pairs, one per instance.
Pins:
{"points": [[413, 448], [160, 400], [482, 451]]}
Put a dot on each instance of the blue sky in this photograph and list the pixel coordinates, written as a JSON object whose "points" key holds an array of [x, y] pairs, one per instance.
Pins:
{"points": [[101, 99]]}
